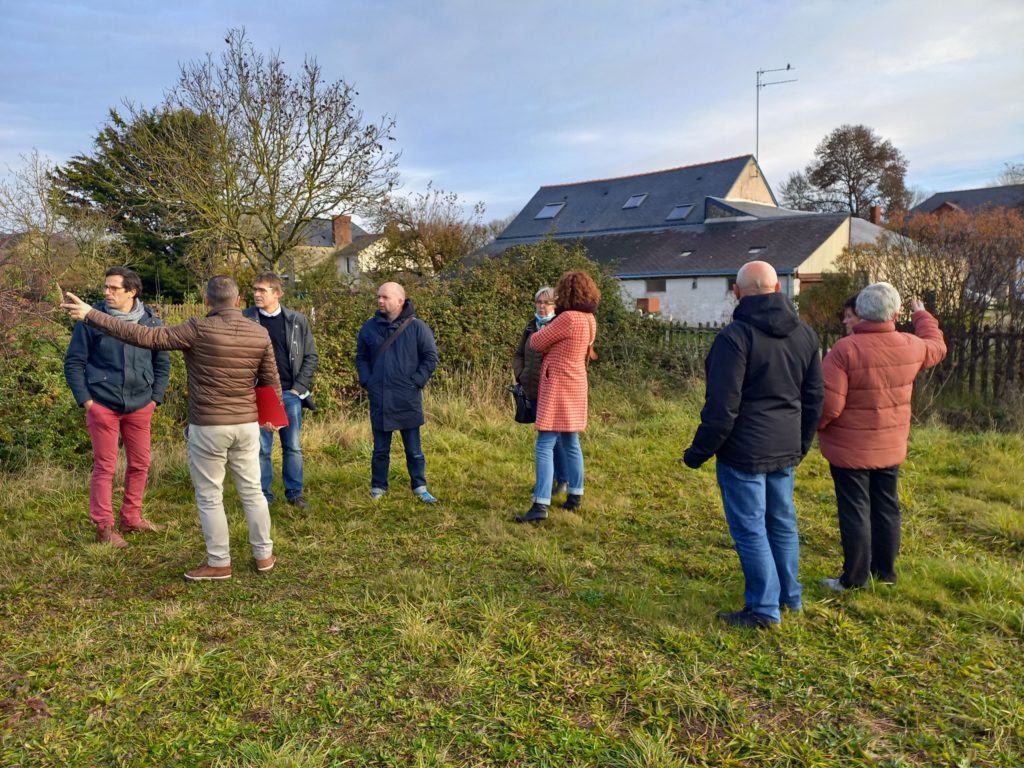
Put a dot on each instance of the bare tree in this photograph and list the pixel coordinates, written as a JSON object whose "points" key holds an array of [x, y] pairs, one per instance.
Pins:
{"points": [[428, 231], [853, 170], [41, 245], [272, 151], [1013, 173]]}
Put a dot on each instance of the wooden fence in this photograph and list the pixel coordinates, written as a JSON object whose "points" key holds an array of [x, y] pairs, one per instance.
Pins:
{"points": [[984, 361]]}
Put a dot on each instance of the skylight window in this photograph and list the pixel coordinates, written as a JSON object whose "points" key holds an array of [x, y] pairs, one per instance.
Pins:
{"points": [[549, 211], [635, 201], [679, 212]]}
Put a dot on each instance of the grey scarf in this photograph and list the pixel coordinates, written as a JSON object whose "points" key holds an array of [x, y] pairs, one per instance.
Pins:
{"points": [[132, 317]]}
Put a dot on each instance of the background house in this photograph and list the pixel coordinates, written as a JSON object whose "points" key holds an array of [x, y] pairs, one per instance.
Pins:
{"points": [[676, 238], [973, 200], [351, 247]]}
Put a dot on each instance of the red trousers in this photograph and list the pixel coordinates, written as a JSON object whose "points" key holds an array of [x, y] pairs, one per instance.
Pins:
{"points": [[104, 427]]}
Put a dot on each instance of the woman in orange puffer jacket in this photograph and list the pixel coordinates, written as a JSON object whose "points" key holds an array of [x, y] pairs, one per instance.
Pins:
{"points": [[869, 380]]}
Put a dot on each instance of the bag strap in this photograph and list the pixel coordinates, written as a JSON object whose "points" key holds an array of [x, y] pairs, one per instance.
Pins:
{"points": [[390, 340]]}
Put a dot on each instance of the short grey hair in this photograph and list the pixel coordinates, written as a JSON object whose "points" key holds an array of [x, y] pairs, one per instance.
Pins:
{"points": [[879, 302], [221, 291], [546, 291]]}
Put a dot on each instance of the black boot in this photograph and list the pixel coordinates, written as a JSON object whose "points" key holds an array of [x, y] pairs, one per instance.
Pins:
{"points": [[535, 514], [572, 502]]}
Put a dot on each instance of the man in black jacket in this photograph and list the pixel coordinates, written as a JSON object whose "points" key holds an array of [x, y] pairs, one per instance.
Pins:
{"points": [[763, 400], [296, 358]]}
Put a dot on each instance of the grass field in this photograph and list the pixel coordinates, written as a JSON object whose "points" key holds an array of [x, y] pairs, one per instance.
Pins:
{"points": [[397, 633]]}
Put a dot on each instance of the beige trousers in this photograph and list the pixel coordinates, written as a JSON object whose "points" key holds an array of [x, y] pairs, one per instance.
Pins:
{"points": [[211, 452]]}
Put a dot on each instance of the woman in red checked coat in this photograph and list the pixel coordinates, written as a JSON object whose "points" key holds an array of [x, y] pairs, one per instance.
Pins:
{"points": [[566, 343]]}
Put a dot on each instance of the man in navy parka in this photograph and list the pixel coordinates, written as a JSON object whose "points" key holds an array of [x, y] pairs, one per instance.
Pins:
{"points": [[394, 374]]}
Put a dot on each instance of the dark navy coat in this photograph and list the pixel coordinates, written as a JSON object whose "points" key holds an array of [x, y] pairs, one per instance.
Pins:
{"points": [[116, 375], [395, 381]]}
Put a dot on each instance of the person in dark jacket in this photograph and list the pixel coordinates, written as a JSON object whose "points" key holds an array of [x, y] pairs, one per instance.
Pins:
{"points": [[526, 367], [395, 358], [119, 386], [225, 356], [764, 398], [296, 357]]}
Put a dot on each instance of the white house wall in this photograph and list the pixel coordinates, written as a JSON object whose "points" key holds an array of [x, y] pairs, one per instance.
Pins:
{"points": [[710, 302]]}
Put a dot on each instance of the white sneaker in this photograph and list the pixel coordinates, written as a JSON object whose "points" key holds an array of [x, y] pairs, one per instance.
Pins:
{"points": [[376, 493], [833, 584]]}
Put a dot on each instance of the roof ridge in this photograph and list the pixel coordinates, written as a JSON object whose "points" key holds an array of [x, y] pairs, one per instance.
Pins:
{"points": [[976, 189], [646, 173]]}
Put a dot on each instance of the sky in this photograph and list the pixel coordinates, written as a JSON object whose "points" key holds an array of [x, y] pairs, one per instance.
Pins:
{"points": [[494, 99]]}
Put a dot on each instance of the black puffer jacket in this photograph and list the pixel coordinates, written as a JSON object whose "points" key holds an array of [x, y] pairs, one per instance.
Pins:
{"points": [[526, 362], [764, 390]]}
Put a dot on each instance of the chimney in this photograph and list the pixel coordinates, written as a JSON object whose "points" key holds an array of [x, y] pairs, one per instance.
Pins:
{"points": [[875, 216], [342, 230]]}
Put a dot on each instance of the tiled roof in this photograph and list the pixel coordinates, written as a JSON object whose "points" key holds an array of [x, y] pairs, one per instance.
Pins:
{"points": [[708, 249], [1010, 196], [597, 206], [320, 233]]}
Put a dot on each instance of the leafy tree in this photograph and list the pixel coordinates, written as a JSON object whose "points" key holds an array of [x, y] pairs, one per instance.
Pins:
{"points": [[428, 232], [966, 266], [156, 233], [274, 152], [821, 303], [853, 169]]}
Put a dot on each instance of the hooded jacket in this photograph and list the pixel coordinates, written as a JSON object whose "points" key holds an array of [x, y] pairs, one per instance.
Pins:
{"points": [[114, 374], [394, 382], [763, 389]]}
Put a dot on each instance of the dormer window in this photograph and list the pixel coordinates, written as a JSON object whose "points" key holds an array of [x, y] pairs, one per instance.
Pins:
{"points": [[635, 201], [679, 212], [549, 211]]}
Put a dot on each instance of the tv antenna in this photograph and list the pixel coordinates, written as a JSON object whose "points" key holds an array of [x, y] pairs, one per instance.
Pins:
{"points": [[757, 116]]}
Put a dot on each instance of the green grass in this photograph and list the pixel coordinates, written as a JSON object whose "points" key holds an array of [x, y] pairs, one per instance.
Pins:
{"points": [[397, 633]]}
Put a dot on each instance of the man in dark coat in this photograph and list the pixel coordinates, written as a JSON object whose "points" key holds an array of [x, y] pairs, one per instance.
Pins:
{"points": [[763, 400], [119, 386], [395, 358]]}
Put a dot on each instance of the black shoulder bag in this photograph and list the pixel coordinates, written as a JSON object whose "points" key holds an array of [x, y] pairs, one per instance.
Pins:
{"points": [[390, 340]]}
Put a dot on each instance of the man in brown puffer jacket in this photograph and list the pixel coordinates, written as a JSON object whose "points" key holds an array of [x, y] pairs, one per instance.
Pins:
{"points": [[225, 356]]}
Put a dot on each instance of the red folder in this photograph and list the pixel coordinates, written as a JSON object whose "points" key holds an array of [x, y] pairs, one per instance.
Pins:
{"points": [[270, 407]]}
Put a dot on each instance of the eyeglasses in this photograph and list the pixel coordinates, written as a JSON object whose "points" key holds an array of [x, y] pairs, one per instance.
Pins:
{"points": [[544, 303], [113, 288]]}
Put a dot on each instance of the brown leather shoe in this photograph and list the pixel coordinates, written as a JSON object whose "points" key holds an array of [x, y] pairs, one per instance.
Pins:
{"points": [[107, 535], [206, 572], [143, 526], [266, 564]]}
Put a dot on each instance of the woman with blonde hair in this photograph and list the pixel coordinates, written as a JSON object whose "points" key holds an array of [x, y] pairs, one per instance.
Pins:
{"points": [[526, 368], [566, 343]]}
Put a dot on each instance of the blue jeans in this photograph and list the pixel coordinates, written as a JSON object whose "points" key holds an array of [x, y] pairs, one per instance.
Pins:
{"points": [[762, 520], [291, 452], [415, 461], [561, 474], [544, 452]]}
